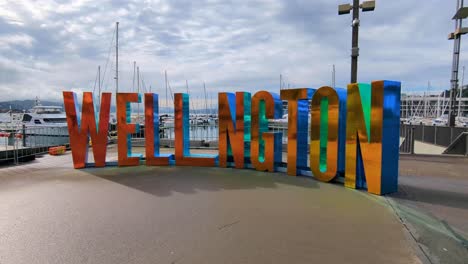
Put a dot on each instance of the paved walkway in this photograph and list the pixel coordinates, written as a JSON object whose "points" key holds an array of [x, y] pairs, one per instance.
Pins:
{"points": [[426, 148], [51, 213], [433, 200]]}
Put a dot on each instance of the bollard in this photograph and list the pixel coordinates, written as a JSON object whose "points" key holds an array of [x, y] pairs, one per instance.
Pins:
{"points": [[412, 139]]}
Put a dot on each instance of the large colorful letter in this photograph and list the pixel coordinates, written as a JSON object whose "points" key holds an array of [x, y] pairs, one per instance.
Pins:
{"points": [[182, 136], [265, 147], [298, 115], [342, 95], [125, 129], [233, 113], [153, 157], [80, 132], [324, 134], [372, 136]]}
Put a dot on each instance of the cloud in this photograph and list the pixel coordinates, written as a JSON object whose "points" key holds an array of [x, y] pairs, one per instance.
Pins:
{"points": [[52, 46]]}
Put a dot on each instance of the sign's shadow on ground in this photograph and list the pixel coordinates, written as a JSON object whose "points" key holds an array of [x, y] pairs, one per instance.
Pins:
{"points": [[163, 181], [431, 196]]}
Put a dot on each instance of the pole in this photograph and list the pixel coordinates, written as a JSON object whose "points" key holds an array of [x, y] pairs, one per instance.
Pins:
{"points": [[425, 98], [206, 103], [281, 81], [24, 135], [165, 77], [133, 81], [461, 91], [99, 84], [138, 91], [438, 106], [455, 65], [116, 57], [193, 105], [211, 103], [355, 48], [333, 77]]}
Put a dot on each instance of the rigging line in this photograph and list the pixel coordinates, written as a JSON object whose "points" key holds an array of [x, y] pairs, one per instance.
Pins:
{"points": [[170, 90], [186, 86], [143, 84], [107, 80], [108, 57], [95, 80], [147, 90]]}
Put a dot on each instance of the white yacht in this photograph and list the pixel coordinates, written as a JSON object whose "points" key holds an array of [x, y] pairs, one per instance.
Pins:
{"points": [[45, 125]]}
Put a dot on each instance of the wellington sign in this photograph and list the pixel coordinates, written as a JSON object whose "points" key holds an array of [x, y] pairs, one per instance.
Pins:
{"points": [[354, 132]]}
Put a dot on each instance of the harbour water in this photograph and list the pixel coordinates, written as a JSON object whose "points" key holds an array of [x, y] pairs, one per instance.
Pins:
{"points": [[210, 132], [197, 132]]}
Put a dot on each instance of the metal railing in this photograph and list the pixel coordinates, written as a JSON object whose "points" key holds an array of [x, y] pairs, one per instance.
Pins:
{"points": [[450, 138], [437, 135], [20, 143], [407, 143]]}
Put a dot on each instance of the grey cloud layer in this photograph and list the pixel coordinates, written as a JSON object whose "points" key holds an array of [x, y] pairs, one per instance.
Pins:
{"points": [[52, 46]]}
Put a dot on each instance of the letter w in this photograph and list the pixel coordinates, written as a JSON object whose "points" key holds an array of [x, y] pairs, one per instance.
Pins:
{"points": [[81, 131]]}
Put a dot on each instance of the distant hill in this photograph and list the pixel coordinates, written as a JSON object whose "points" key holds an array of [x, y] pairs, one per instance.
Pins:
{"points": [[20, 105]]}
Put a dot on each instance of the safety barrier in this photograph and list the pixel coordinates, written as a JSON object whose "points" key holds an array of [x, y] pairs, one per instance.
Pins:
{"points": [[20, 143]]}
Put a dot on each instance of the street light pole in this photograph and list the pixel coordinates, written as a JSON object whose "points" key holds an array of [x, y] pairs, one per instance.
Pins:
{"points": [[346, 9], [456, 36], [354, 46]]}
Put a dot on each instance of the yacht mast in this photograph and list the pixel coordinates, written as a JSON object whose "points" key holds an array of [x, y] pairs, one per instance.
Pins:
{"points": [[99, 85], [116, 57], [138, 91], [206, 103], [211, 104], [133, 82], [193, 105], [165, 77], [281, 82], [333, 77], [461, 92], [425, 98]]}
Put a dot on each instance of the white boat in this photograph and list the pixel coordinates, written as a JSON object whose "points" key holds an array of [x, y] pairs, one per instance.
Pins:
{"points": [[45, 125], [461, 121], [440, 121]]}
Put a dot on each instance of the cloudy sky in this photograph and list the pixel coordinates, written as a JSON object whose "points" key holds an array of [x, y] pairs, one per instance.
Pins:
{"points": [[50, 46]]}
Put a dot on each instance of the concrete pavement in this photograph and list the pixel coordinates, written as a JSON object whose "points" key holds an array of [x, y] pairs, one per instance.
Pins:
{"points": [[51, 213], [433, 202]]}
